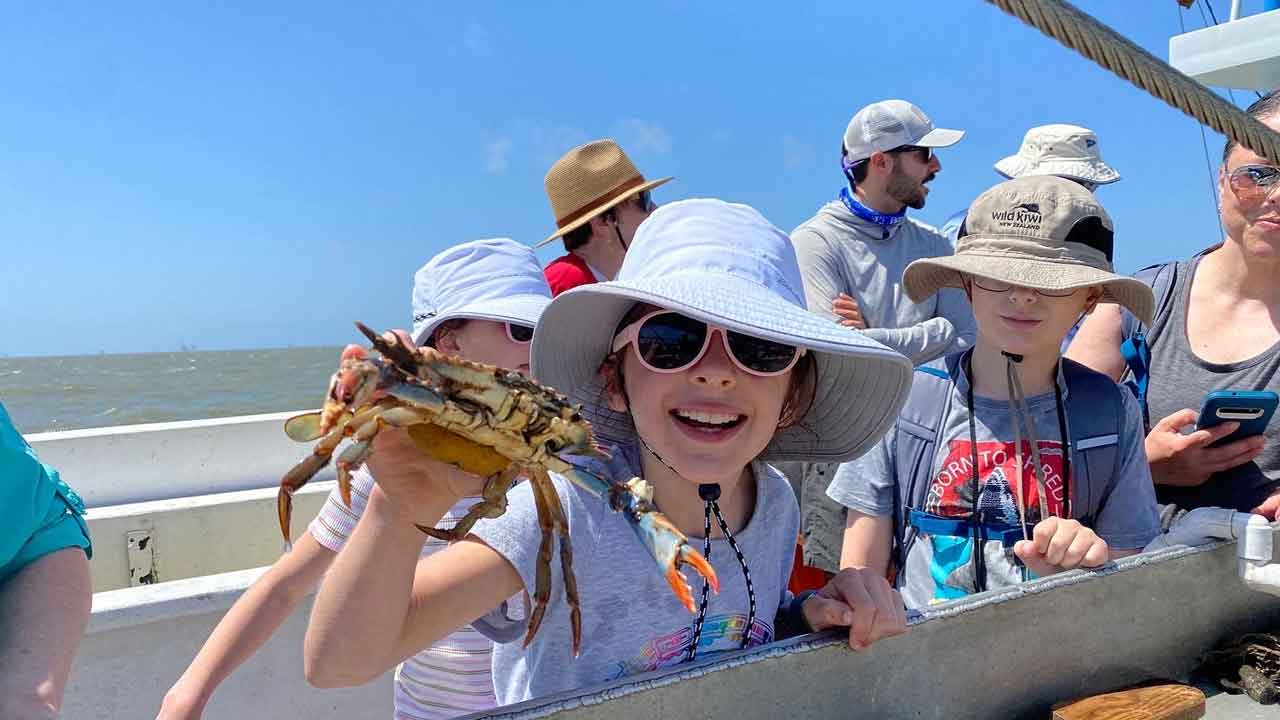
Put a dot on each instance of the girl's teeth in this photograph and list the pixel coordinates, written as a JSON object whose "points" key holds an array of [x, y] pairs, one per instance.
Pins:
{"points": [[705, 417]]}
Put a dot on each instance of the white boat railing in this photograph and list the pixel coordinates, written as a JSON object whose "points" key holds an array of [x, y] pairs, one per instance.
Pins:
{"points": [[157, 461], [141, 639]]}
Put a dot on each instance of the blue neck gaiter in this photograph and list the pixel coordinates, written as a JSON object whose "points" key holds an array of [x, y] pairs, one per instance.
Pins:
{"points": [[884, 220]]}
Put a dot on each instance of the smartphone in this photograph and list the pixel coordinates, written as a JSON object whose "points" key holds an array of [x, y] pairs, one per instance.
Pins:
{"points": [[1251, 408]]}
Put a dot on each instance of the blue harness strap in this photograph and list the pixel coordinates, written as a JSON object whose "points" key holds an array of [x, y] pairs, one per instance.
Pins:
{"points": [[931, 524]]}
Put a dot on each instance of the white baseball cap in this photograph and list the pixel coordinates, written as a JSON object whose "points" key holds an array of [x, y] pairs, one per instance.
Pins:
{"points": [[496, 279], [888, 124]]}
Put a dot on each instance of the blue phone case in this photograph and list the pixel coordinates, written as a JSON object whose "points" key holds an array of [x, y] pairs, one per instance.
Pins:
{"points": [[1251, 408]]}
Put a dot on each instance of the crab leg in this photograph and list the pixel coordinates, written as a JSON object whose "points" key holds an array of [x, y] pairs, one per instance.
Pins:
{"points": [[542, 580], [301, 473], [544, 488], [668, 546], [493, 505]]}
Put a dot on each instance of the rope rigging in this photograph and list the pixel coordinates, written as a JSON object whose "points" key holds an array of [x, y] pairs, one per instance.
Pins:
{"points": [[1089, 37]]}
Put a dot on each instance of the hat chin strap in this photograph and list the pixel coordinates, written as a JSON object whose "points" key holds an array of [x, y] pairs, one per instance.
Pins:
{"points": [[1022, 414]]}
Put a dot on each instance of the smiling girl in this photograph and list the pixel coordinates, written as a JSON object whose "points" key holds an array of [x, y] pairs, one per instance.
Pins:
{"points": [[710, 365]]}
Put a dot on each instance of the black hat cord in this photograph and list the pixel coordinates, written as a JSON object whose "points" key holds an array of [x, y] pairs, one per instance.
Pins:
{"points": [[710, 494]]}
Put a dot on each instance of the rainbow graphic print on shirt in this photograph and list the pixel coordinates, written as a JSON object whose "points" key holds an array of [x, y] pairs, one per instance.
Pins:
{"points": [[722, 632]]}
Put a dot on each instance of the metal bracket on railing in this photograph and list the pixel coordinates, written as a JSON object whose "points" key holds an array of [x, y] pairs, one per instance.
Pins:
{"points": [[142, 557]]}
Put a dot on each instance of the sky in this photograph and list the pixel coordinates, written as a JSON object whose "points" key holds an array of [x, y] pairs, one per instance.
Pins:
{"points": [[245, 174]]}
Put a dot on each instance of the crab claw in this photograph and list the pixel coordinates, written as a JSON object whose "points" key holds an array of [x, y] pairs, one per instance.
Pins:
{"points": [[671, 550], [669, 547], [401, 355]]}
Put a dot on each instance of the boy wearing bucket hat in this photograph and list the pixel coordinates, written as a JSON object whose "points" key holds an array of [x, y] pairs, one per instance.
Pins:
{"points": [[852, 254], [1033, 459], [478, 300], [1067, 151], [710, 359], [599, 198]]}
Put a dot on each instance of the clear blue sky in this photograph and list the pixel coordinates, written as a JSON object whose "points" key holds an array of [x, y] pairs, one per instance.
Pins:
{"points": [[248, 174]]}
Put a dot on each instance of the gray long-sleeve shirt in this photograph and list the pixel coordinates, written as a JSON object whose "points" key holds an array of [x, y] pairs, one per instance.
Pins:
{"points": [[840, 252]]}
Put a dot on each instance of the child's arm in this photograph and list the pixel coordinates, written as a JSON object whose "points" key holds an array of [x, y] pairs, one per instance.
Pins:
{"points": [[1097, 343], [867, 539], [247, 626], [373, 609]]}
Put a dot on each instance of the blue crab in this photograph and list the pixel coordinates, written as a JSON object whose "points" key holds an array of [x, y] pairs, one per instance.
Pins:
{"points": [[491, 422]]}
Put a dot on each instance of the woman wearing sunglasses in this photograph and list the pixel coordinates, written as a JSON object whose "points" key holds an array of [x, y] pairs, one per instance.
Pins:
{"points": [[477, 300], [706, 364], [1215, 328]]}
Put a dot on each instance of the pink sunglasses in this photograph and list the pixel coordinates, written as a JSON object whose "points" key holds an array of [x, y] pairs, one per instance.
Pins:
{"points": [[668, 342]]}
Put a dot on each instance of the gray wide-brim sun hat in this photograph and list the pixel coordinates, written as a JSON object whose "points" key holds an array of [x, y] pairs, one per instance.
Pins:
{"points": [[1042, 232], [1064, 150], [725, 264], [495, 279]]}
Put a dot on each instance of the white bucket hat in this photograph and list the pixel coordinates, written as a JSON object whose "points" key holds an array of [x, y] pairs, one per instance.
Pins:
{"points": [[1041, 232], [725, 264], [496, 279], [1068, 151], [888, 124]]}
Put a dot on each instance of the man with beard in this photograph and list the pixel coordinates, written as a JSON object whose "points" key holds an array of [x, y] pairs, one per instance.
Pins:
{"points": [[852, 254]]}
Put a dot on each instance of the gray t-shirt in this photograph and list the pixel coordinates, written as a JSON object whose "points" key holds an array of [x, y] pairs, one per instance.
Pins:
{"points": [[1179, 379], [940, 568], [631, 621]]}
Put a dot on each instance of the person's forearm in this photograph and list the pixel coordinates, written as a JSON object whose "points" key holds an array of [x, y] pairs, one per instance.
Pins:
{"points": [[867, 542], [921, 342], [250, 622], [360, 611]]}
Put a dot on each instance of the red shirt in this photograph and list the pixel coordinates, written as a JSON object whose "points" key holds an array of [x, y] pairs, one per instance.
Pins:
{"points": [[568, 271]]}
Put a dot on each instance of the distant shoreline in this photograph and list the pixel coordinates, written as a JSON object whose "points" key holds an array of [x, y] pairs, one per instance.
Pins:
{"points": [[195, 351]]}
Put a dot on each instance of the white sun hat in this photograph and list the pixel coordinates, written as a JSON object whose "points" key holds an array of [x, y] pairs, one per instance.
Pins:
{"points": [[496, 279], [725, 264], [1068, 151]]}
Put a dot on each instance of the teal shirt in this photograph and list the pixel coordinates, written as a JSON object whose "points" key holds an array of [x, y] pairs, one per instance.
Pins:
{"points": [[41, 514]]}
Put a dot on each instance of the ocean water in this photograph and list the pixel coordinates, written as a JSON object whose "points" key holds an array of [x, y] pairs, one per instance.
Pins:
{"points": [[65, 393]]}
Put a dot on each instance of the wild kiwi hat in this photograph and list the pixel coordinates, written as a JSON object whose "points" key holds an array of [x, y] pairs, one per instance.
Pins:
{"points": [[1039, 231], [588, 180], [497, 279], [725, 264], [1067, 151]]}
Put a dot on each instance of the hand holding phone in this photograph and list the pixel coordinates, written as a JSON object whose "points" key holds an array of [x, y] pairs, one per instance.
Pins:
{"points": [[1251, 408]]}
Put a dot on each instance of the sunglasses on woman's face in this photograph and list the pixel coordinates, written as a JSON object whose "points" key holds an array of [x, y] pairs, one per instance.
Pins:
{"points": [[668, 342], [1253, 183], [520, 334]]}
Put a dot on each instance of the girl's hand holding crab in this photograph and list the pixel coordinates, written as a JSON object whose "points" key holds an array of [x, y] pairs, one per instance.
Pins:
{"points": [[414, 486]]}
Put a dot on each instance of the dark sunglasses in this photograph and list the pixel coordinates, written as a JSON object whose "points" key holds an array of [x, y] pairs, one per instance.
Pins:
{"points": [[668, 342], [926, 154], [645, 201], [517, 333], [1253, 183]]}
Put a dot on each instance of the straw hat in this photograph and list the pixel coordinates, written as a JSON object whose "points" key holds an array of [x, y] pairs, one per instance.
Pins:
{"points": [[1064, 150], [725, 264], [1039, 231], [588, 180]]}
